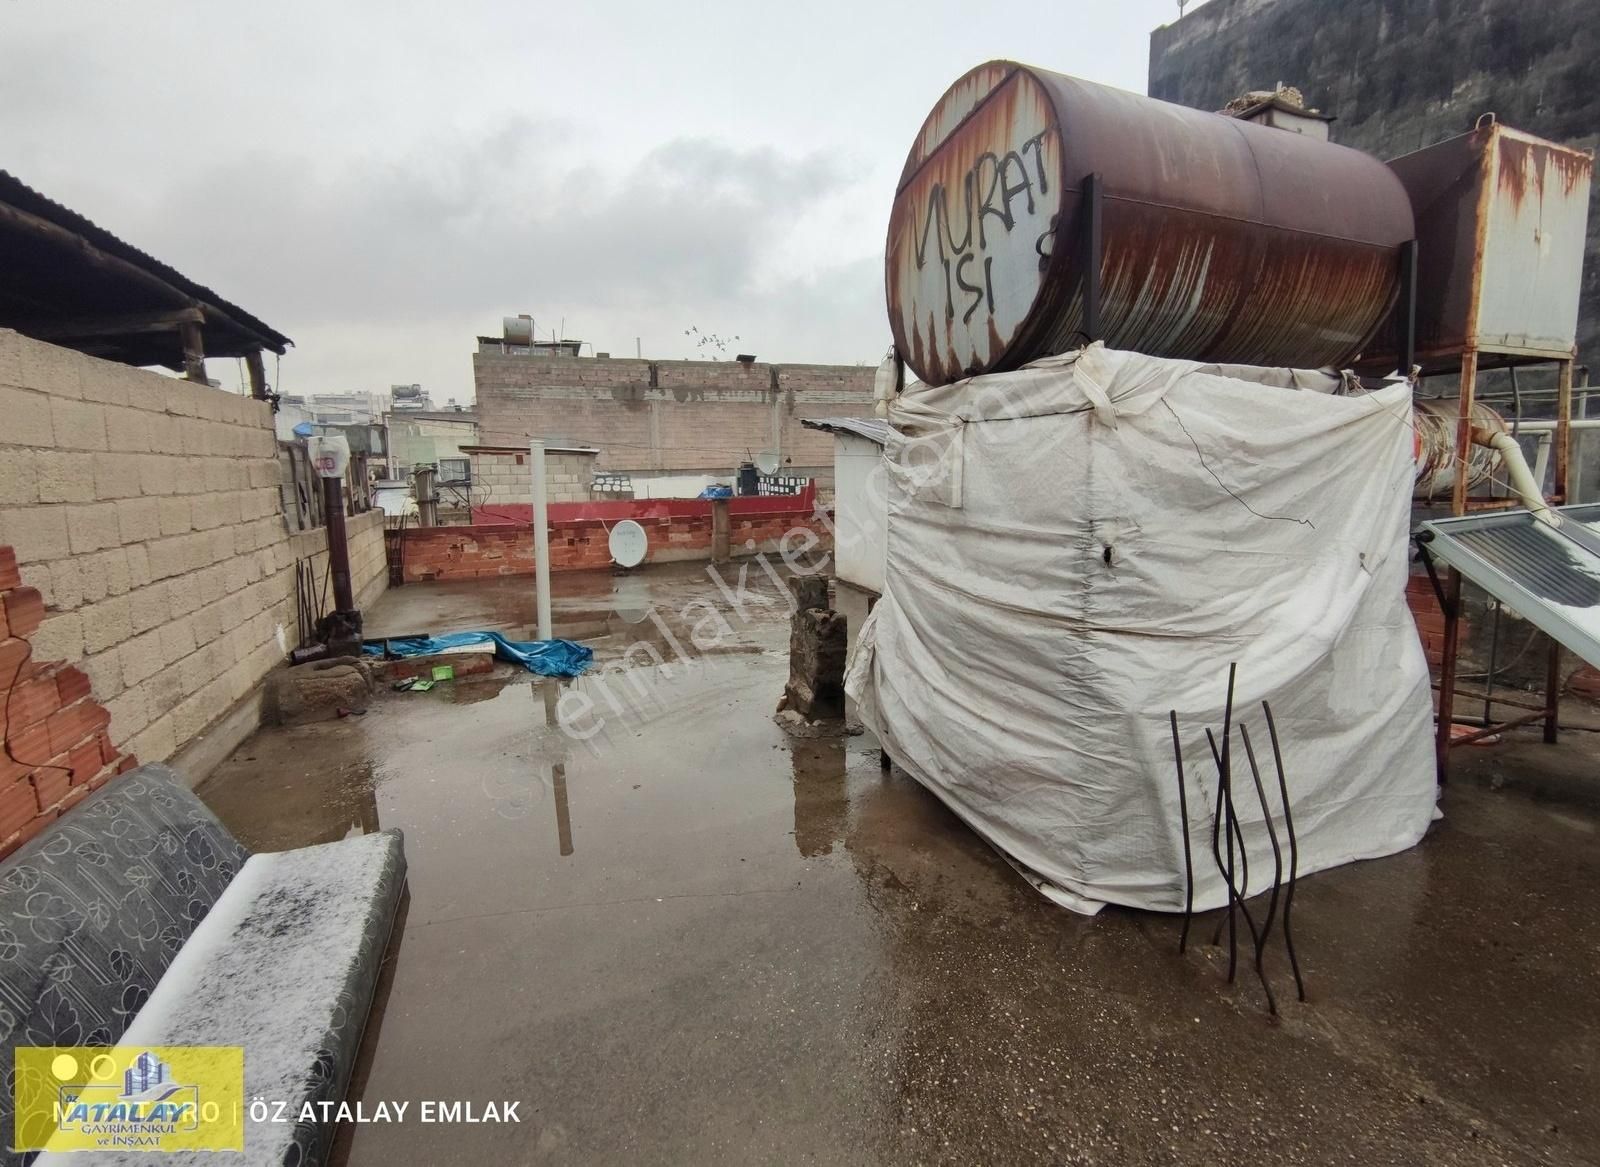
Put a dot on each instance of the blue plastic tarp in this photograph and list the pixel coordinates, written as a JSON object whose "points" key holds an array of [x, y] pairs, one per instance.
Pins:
{"points": [[716, 492], [549, 658]]}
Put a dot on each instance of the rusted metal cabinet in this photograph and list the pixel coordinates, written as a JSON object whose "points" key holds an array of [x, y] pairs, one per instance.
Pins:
{"points": [[1501, 220]]}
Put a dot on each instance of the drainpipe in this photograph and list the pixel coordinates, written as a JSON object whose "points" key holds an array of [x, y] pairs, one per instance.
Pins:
{"points": [[541, 537], [341, 628], [338, 544], [1518, 474]]}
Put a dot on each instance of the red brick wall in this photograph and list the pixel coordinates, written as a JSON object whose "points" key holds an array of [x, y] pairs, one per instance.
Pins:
{"points": [[446, 553], [1425, 610], [56, 745]]}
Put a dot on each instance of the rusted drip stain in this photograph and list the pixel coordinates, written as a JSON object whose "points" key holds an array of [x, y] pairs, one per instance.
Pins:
{"points": [[996, 346], [918, 357], [943, 215], [969, 93], [1518, 162], [1522, 163], [1576, 168], [1176, 293]]}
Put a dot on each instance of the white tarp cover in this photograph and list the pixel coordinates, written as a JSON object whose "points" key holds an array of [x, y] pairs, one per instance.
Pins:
{"points": [[1082, 545]]}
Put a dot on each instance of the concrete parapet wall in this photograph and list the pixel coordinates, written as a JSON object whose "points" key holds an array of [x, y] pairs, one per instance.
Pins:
{"points": [[146, 512]]}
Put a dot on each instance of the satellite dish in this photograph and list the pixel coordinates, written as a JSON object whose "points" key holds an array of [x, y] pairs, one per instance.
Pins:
{"points": [[768, 462], [628, 544]]}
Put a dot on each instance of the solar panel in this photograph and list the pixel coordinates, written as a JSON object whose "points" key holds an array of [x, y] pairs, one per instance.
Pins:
{"points": [[1548, 575]]}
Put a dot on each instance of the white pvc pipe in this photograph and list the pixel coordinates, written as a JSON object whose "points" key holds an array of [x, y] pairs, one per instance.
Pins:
{"points": [[1521, 477], [541, 538]]}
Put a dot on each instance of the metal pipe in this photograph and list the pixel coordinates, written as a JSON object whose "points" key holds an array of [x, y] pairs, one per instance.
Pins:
{"points": [[1188, 861], [1445, 717], [1547, 425], [1552, 692], [338, 545], [1518, 474], [1494, 651], [541, 538]]}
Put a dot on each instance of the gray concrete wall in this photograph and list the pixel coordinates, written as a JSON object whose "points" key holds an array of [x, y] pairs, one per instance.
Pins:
{"points": [[701, 417], [1401, 74], [506, 478]]}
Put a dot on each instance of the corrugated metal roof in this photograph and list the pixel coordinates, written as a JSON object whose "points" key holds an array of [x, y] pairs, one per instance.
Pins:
{"points": [[1548, 575], [874, 429], [18, 194]]}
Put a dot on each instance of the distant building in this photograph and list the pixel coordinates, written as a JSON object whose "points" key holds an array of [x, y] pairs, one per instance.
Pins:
{"points": [[346, 408], [652, 419], [410, 398], [432, 438], [520, 339]]}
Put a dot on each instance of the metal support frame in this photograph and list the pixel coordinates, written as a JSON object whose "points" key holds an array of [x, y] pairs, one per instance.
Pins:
{"points": [[1449, 593], [1093, 207], [1408, 307]]}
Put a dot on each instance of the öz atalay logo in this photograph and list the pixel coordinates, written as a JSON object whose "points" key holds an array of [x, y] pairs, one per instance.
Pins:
{"points": [[156, 1098]]}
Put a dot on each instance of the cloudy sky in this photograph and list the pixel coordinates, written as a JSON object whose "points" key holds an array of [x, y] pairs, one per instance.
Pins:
{"points": [[384, 181]]}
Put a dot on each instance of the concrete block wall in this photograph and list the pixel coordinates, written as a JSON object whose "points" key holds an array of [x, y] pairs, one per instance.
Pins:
{"points": [[1429, 618], [369, 564], [700, 417], [145, 510], [505, 477]]}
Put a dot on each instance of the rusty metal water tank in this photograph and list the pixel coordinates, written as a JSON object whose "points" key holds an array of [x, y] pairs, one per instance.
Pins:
{"points": [[1222, 240]]}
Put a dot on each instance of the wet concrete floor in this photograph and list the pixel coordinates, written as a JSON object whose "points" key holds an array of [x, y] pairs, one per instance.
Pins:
{"points": [[688, 939]]}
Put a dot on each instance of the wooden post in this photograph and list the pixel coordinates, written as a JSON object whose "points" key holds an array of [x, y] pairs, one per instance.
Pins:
{"points": [[258, 375], [1563, 435], [194, 353]]}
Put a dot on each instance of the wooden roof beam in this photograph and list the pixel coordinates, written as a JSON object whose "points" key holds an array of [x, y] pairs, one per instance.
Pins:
{"points": [[124, 324]]}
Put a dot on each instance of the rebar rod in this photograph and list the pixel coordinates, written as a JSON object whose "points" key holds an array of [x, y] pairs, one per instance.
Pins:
{"points": [[1277, 871], [1188, 861], [1294, 851], [1226, 782], [1230, 820]]}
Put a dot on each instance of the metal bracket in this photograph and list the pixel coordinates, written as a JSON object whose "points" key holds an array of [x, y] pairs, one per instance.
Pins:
{"points": [[1408, 307], [1445, 605]]}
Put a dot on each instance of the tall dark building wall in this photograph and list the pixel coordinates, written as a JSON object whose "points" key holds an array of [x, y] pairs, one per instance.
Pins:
{"points": [[1400, 74]]}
